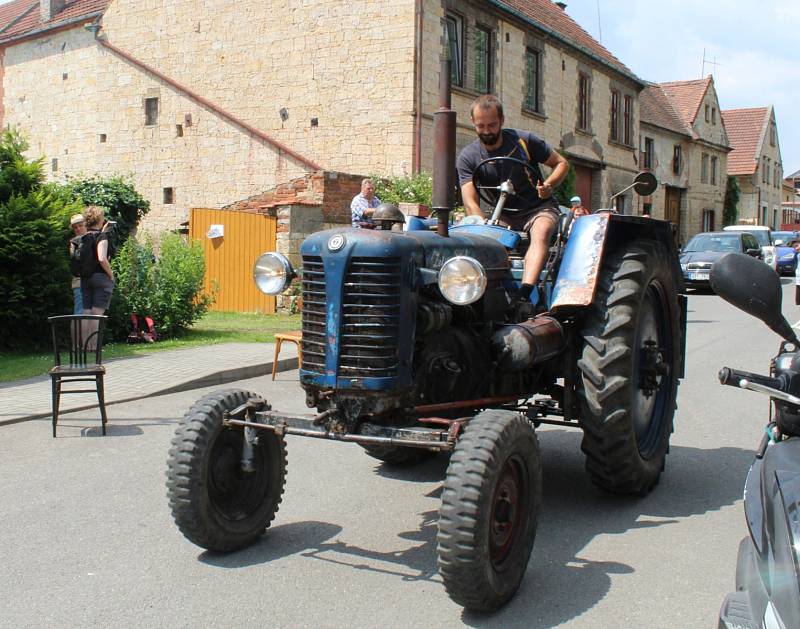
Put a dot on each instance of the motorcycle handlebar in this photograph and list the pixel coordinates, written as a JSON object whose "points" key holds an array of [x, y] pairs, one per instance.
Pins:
{"points": [[731, 377]]}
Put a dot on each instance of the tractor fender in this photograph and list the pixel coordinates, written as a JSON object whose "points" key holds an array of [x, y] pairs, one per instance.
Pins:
{"points": [[591, 238]]}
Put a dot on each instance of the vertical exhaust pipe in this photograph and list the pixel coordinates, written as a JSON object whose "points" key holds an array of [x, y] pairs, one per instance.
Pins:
{"points": [[444, 153]]}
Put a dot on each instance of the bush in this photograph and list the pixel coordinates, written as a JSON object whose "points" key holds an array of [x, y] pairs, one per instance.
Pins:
{"points": [[730, 211], [414, 189], [121, 200], [169, 289], [33, 247]]}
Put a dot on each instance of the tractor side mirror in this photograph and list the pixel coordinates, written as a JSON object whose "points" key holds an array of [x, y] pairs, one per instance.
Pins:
{"points": [[754, 288], [645, 184]]}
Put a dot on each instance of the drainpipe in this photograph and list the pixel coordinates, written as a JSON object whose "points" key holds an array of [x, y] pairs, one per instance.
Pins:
{"points": [[418, 18]]}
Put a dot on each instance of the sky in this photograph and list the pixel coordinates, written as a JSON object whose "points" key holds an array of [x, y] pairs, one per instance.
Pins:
{"points": [[756, 44]]}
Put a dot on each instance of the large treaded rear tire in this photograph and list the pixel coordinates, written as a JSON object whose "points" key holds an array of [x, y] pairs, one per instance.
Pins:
{"points": [[490, 503], [626, 432], [214, 503]]}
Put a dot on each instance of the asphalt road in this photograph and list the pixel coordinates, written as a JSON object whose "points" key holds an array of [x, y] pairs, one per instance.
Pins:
{"points": [[86, 537]]}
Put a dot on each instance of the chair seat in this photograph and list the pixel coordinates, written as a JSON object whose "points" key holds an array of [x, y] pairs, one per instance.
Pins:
{"points": [[289, 336], [77, 370]]}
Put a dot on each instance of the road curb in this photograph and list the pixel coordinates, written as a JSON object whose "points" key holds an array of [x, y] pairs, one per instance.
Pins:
{"points": [[219, 377]]}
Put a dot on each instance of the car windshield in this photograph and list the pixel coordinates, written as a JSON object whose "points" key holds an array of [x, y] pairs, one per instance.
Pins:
{"points": [[713, 242], [784, 237]]}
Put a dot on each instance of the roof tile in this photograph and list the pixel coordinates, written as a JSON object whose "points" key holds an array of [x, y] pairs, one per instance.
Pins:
{"points": [[656, 109], [551, 16], [686, 97], [30, 21], [745, 129]]}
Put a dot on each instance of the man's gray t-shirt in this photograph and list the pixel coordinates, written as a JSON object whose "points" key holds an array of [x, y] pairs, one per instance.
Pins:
{"points": [[514, 145]]}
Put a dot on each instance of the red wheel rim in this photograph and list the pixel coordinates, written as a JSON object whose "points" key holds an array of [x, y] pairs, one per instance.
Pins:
{"points": [[507, 511]]}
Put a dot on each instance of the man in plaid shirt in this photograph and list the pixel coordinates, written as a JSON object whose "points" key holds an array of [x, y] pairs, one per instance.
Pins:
{"points": [[363, 205]]}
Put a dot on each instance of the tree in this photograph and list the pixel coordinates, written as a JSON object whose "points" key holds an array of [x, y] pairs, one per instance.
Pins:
{"points": [[566, 189], [730, 212], [33, 246]]}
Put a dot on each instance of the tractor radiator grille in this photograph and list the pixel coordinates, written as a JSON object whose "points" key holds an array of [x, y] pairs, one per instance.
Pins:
{"points": [[313, 314], [369, 330]]}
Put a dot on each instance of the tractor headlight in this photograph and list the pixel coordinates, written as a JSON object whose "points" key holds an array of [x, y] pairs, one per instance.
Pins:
{"points": [[272, 273], [462, 280]]}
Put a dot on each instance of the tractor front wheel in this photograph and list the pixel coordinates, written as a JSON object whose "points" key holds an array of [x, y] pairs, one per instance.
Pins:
{"points": [[218, 502], [490, 503]]}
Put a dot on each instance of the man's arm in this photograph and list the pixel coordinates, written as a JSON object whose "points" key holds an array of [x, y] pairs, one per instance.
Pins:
{"points": [[560, 168], [470, 197]]}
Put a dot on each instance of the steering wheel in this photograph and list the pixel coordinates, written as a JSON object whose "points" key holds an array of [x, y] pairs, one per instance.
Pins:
{"points": [[491, 194]]}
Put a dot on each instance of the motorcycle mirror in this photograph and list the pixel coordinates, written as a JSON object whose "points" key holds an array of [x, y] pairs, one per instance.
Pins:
{"points": [[645, 184], [754, 288]]}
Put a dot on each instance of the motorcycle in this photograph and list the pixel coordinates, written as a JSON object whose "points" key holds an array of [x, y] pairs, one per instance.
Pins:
{"points": [[768, 565]]}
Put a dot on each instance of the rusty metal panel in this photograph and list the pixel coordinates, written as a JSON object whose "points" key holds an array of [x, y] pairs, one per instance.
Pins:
{"points": [[230, 258], [577, 277]]}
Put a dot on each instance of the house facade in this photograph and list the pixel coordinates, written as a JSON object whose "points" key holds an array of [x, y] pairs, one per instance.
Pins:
{"points": [[204, 105], [756, 163], [684, 142]]}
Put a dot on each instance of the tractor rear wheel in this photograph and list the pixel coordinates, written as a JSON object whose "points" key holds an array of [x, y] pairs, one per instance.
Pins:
{"points": [[215, 502], [629, 369], [490, 503]]}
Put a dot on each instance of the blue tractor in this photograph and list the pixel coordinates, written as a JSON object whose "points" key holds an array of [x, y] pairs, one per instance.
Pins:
{"points": [[410, 348]]}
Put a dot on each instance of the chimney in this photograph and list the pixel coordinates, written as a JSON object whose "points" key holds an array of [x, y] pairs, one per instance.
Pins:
{"points": [[51, 8], [562, 5]]}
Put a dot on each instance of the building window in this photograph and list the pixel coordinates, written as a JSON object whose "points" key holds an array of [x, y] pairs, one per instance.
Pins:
{"points": [[766, 170], [763, 170], [647, 157], [777, 176], [54, 164], [714, 170], [532, 80], [169, 196], [103, 138], [454, 32], [708, 117], [708, 220], [772, 134], [627, 120], [150, 111], [483, 59], [647, 209], [615, 116], [704, 168], [583, 101], [178, 130], [713, 115], [677, 160]]}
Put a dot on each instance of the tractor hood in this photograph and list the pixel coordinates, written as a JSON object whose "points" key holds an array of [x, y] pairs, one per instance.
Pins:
{"points": [[423, 249]]}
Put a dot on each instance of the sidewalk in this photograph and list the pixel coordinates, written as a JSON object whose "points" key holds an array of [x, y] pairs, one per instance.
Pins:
{"points": [[155, 374]]}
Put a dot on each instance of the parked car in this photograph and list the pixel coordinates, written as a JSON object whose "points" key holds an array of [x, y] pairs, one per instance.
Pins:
{"points": [[764, 236], [786, 256], [700, 253]]}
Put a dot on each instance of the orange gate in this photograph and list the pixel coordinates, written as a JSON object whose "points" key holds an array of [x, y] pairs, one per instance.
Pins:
{"points": [[230, 257]]}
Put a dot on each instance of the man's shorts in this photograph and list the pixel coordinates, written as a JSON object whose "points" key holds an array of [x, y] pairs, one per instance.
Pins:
{"points": [[523, 220], [96, 291]]}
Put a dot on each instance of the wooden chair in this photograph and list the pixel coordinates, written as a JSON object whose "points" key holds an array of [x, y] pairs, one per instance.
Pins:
{"points": [[292, 337], [78, 351]]}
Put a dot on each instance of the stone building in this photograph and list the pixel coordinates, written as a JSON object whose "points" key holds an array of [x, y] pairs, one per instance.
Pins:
{"points": [[756, 163], [205, 104], [684, 143]]}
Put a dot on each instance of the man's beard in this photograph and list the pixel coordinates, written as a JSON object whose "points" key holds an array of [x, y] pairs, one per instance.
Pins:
{"points": [[489, 139]]}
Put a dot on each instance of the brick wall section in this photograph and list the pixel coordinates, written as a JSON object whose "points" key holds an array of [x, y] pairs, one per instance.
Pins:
{"points": [[332, 190]]}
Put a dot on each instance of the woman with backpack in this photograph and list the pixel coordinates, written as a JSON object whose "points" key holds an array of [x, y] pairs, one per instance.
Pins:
{"points": [[97, 278]]}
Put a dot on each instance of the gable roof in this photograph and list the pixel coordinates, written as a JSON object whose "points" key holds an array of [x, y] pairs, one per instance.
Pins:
{"points": [[686, 97], [23, 17], [551, 18], [655, 108], [746, 128]]}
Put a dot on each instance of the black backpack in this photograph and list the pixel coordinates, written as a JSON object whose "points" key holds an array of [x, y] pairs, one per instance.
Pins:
{"points": [[83, 254]]}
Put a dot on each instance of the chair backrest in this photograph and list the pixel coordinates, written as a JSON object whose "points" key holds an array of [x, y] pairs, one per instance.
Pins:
{"points": [[77, 339]]}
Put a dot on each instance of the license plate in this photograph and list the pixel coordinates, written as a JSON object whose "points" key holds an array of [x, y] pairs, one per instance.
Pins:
{"points": [[698, 276]]}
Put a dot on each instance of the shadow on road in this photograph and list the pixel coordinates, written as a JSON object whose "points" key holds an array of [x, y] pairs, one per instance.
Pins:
{"points": [[560, 584]]}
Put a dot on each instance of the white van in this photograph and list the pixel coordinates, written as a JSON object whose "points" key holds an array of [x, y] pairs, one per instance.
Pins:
{"points": [[763, 235]]}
